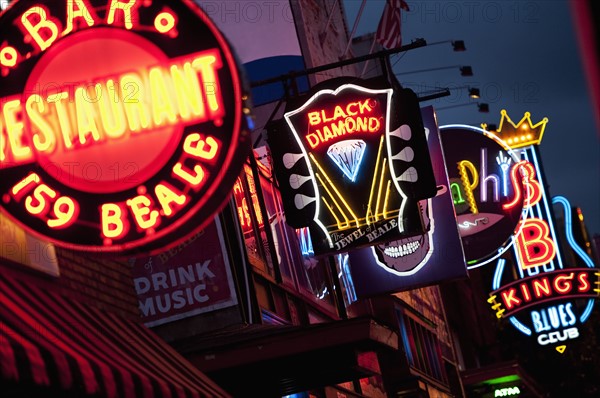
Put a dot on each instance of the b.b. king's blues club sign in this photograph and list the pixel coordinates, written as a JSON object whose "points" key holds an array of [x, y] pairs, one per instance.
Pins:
{"points": [[556, 282]]}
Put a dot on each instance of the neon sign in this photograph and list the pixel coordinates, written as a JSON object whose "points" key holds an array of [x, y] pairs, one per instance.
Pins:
{"points": [[543, 282], [527, 179], [522, 134], [549, 298], [118, 133], [489, 185], [243, 207], [425, 259], [546, 287], [349, 168], [534, 245], [507, 392], [354, 117]]}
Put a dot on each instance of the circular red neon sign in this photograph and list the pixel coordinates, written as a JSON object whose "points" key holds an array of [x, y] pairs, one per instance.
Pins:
{"points": [[121, 131]]}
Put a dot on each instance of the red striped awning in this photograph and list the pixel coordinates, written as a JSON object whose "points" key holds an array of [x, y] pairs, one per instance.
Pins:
{"points": [[47, 340]]}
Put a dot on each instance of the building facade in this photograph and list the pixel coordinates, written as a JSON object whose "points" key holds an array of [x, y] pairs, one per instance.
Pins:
{"points": [[295, 326], [244, 307]]}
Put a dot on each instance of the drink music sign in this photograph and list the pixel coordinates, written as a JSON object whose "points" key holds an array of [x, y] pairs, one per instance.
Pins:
{"points": [[120, 130]]}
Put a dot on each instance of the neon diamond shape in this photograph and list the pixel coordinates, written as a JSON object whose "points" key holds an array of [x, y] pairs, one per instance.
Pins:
{"points": [[348, 155]]}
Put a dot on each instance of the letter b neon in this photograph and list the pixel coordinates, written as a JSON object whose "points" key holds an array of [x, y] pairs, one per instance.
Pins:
{"points": [[534, 245]]}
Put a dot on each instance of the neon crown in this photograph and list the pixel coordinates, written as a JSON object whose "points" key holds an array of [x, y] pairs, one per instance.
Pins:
{"points": [[519, 135]]}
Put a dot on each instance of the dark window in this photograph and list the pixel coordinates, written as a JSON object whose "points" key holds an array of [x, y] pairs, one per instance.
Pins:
{"points": [[302, 273], [423, 349], [252, 222], [312, 274]]}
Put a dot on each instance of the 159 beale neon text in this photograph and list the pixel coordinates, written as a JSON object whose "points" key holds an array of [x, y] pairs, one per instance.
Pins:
{"points": [[116, 128]]}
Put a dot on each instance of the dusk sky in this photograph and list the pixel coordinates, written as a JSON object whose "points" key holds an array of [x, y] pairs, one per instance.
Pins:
{"points": [[525, 58]]}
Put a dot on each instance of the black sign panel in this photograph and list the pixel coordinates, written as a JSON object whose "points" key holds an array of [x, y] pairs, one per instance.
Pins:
{"points": [[352, 163]]}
